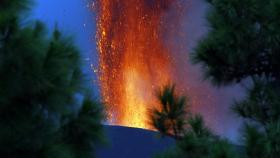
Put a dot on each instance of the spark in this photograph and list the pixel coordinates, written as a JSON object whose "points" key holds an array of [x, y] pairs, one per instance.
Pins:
{"points": [[133, 58]]}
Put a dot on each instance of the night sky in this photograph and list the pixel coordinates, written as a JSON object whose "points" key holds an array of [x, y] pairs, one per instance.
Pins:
{"points": [[75, 19]]}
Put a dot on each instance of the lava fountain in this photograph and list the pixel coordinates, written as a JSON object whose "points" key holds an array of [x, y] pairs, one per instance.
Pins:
{"points": [[133, 58], [145, 44]]}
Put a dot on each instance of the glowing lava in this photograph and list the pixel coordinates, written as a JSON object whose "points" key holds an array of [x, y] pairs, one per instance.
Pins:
{"points": [[132, 57]]}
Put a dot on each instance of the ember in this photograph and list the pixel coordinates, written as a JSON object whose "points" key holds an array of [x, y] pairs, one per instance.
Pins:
{"points": [[133, 59]]}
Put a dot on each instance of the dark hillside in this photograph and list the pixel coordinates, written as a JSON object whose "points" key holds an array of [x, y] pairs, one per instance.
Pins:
{"points": [[125, 142]]}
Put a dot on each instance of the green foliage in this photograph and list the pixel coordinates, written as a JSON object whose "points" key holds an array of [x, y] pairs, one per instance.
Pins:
{"points": [[41, 81], [243, 44], [262, 104], [198, 127], [199, 142], [254, 142], [84, 127], [243, 41], [260, 144], [170, 118], [194, 139], [223, 149]]}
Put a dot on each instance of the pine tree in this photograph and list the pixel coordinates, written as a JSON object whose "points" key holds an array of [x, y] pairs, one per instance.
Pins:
{"points": [[194, 139], [41, 83], [170, 118], [199, 142], [243, 45], [243, 41]]}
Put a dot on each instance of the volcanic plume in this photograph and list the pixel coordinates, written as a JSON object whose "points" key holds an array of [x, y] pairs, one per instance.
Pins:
{"points": [[132, 56], [142, 45]]}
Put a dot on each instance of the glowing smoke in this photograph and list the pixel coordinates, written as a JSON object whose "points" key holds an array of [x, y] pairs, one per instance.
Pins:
{"points": [[142, 45]]}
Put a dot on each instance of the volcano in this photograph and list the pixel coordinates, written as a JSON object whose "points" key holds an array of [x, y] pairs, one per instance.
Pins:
{"points": [[126, 142]]}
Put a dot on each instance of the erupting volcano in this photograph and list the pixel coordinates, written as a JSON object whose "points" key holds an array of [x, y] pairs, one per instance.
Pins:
{"points": [[133, 58], [144, 45], [141, 45]]}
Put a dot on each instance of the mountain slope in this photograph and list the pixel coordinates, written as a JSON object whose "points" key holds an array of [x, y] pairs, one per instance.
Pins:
{"points": [[125, 142]]}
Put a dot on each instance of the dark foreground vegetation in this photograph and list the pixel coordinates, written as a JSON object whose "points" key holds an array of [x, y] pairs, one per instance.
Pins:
{"points": [[242, 47], [45, 109]]}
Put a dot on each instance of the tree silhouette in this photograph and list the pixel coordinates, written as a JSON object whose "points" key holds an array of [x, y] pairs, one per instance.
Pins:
{"points": [[41, 88], [243, 46], [261, 105], [194, 139], [198, 127], [199, 142], [243, 41], [169, 119]]}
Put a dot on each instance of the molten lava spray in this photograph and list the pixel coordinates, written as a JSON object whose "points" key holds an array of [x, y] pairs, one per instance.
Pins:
{"points": [[133, 58], [145, 44]]}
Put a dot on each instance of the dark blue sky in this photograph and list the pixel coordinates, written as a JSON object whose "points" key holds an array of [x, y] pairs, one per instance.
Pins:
{"points": [[75, 19]]}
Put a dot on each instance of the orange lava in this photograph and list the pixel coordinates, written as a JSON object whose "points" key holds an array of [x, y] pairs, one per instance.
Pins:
{"points": [[133, 59]]}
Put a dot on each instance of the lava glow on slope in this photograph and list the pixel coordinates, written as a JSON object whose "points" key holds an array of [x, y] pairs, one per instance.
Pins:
{"points": [[133, 59]]}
